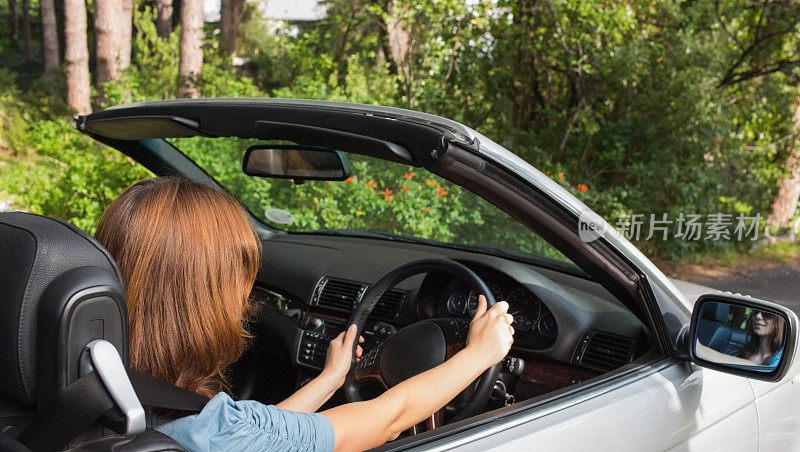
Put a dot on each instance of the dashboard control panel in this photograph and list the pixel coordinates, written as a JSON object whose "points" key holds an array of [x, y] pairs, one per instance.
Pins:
{"points": [[320, 331], [313, 348]]}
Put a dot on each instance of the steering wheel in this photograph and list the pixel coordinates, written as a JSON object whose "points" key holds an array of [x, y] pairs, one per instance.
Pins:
{"points": [[419, 346]]}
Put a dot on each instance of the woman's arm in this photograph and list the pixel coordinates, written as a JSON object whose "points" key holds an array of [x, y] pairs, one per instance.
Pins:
{"points": [[310, 397], [364, 425]]}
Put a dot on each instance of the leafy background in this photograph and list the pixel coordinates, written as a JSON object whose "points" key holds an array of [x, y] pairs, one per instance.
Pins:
{"points": [[634, 106]]}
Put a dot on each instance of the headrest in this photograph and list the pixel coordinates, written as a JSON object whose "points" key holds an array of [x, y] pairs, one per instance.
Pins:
{"points": [[34, 252], [718, 313]]}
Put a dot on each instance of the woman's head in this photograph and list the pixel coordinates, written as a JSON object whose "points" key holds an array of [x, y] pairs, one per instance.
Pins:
{"points": [[763, 325], [188, 258]]}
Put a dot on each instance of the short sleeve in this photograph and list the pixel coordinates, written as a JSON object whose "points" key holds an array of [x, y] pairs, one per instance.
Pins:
{"points": [[246, 425]]}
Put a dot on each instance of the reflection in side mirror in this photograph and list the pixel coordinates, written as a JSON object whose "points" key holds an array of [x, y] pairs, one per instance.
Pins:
{"points": [[742, 335], [295, 162]]}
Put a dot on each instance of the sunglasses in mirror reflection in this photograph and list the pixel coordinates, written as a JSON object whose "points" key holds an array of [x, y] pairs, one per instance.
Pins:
{"points": [[740, 335]]}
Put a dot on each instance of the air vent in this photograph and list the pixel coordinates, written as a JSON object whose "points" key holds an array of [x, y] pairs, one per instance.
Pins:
{"points": [[341, 296], [388, 305], [338, 294], [604, 351]]}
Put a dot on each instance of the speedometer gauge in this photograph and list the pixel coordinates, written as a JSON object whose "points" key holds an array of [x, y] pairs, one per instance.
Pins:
{"points": [[525, 308], [547, 325], [472, 303], [457, 303]]}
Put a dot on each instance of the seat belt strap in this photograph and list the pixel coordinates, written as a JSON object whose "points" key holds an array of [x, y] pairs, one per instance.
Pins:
{"points": [[158, 393], [77, 406], [72, 411]]}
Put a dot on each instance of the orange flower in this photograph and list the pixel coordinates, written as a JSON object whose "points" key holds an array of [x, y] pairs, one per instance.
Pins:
{"points": [[349, 180], [388, 199], [372, 184], [386, 192], [582, 187], [404, 188], [442, 192], [561, 176], [430, 182], [547, 172], [425, 209], [408, 175]]}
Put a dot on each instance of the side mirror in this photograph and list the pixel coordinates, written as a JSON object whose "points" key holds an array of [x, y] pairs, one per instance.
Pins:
{"points": [[295, 162], [742, 336]]}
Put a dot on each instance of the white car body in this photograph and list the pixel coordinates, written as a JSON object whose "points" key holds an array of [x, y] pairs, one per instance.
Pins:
{"points": [[668, 403], [673, 406]]}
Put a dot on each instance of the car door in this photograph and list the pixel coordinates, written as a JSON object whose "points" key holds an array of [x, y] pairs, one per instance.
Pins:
{"points": [[778, 416], [671, 405]]}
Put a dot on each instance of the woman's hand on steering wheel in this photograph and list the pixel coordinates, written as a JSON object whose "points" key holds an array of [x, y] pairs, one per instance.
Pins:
{"points": [[340, 355], [490, 333]]}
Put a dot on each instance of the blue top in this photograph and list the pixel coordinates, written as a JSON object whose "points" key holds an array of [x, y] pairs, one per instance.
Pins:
{"points": [[246, 425], [776, 359]]}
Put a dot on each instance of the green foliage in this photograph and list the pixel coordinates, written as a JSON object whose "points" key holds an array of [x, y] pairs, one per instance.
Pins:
{"points": [[641, 106], [380, 196]]}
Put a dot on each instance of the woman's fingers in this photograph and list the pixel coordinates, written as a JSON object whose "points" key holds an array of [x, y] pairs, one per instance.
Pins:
{"points": [[350, 336], [481, 306], [360, 339], [359, 351], [499, 308]]}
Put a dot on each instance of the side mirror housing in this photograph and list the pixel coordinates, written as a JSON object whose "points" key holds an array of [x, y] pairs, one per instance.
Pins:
{"points": [[742, 336]]}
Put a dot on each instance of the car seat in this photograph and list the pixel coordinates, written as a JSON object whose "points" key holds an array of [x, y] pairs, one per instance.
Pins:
{"points": [[64, 345]]}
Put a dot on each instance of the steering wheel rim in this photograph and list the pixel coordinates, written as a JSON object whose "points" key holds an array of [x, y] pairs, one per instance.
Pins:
{"points": [[371, 297]]}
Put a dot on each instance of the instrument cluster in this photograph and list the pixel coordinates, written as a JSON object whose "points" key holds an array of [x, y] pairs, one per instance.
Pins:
{"points": [[533, 322]]}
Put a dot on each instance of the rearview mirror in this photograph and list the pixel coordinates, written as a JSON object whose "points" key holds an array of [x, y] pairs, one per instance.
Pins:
{"points": [[743, 336], [295, 162]]}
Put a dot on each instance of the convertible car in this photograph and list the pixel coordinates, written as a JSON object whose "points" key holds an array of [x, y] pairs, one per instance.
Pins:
{"points": [[395, 220]]}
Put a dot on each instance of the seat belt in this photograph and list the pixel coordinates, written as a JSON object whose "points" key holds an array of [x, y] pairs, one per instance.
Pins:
{"points": [[83, 402]]}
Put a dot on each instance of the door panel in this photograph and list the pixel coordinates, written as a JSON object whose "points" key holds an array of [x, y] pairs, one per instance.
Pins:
{"points": [[778, 416], [681, 408]]}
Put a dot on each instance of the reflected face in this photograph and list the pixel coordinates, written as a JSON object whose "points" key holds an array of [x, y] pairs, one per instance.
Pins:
{"points": [[763, 323]]}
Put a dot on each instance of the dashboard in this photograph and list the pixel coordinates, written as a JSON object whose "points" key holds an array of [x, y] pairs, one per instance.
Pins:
{"points": [[309, 285]]}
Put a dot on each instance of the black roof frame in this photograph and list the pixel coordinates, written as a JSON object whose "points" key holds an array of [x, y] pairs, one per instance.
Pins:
{"points": [[443, 147]]}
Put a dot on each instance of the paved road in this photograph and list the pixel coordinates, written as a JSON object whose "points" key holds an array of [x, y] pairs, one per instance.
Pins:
{"points": [[781, 285]]}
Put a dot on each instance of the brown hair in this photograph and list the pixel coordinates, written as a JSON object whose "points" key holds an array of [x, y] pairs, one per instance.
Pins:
{"points": [[775, 338], [188, 258]]}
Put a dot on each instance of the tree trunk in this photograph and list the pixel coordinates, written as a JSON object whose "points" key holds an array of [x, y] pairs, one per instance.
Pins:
{"points": [[49, 34], [230, 16], [164, 18], [106, 35], [76, 56], [191, 48], [125, 35], [399, 46], [397, 29], [26, 30], [13, 23], [785, 203]]}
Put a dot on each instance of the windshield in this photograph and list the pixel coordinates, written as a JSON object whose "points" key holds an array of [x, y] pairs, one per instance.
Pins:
{"points": [[382, 198]]}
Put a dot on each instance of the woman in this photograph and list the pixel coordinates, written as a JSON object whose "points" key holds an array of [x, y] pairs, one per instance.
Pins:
{"points": [[764, 344], [188, 258]]}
